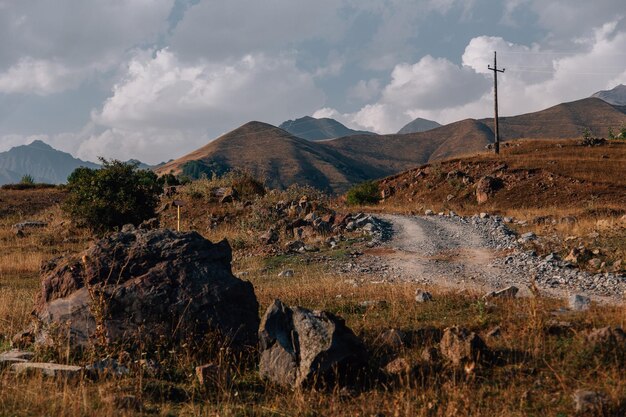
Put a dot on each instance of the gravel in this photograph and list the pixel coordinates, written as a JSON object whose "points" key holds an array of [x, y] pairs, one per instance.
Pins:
{"points": [[478, 251]]}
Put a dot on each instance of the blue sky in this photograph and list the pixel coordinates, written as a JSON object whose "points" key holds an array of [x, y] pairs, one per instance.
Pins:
{"points": [[154, 79]]}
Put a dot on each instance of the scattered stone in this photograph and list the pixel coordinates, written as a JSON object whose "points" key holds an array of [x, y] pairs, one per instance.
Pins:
{"points": [[373, 304], [19, 233], [551, 257], [30, 224], [594, 263], [486, 187], [589, 401], [508, 292], [295, 246], [579, 302], [528, 236], [392, 338], [422, 296], [494, 333], [212, 375], [430, 355], [484, 215], [460, 346], [14, 356], [47, 369], [104, 368], [301, 347], [398, 367], [429, 213], [607, 338], [269, 237], [147, 282], [287, 273]]}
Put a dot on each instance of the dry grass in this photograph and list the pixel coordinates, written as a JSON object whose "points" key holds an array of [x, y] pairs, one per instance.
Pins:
{"points": [[533, 372]]}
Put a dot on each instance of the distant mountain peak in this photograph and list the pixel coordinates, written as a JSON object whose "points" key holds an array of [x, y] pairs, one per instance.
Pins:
{"points": [[39, 144], [616, 96], [418, 125], [310, 128]]}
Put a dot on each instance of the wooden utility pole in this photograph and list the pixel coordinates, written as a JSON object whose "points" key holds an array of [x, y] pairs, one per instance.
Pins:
{"points": [[495, 100]]}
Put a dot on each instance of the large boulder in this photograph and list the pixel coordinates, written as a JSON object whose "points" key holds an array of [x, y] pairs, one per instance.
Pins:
{"points": [[148, 288], [302, 347], [486, 187]]}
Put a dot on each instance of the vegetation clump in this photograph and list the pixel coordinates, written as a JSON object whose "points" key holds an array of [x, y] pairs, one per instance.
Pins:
{"points": [[364, 193], [107, 198]]}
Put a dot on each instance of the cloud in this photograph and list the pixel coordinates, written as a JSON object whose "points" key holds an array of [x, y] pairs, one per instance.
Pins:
{"points": [[62, 42], [39, 77]]}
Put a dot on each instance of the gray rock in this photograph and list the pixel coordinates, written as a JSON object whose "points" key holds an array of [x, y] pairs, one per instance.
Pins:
{"points": [[579, 302], [429, 213], [301, 347], [484, 215], [30, 224], [14, 356], [153, 286], [607, 338], [47, 369], [528, 236], [398, 367], [589, 401], [287, 273], [422, 296], [508, 292], [460, 346]]}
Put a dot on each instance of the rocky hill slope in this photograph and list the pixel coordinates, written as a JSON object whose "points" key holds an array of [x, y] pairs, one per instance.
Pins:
{"points": [[311, 128]]}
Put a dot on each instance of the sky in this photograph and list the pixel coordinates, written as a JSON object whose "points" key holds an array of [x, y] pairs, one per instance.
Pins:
{"points": [[156, 79]]}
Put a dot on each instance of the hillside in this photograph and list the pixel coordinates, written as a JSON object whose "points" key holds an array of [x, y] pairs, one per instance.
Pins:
{"points": [[418, 125], [563, 121], [39, 160], [275, 155], [311, 128]]}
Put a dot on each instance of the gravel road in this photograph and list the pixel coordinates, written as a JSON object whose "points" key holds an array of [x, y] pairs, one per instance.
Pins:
{"points": [[475, 253]]}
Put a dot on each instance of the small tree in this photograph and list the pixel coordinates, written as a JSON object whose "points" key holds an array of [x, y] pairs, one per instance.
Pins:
{"points": [[116, 194], [364, 193]]}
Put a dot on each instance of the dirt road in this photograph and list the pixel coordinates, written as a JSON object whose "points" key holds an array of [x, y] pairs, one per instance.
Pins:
{"points": [[480, 254]]}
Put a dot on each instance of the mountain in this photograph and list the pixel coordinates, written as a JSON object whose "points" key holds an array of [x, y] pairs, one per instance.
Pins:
{"points": [[39, 160], [334, 165], [273, 154], [311, 128], [616, 96], [563, 121], [418, 125]]}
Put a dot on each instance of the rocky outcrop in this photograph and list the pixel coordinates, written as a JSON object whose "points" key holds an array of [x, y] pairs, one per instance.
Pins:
{"points": [[460, 346], [148, 287], [486, 187], [301, 347]]}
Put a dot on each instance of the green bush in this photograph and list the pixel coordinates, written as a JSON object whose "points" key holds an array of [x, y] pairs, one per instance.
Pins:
{"points": [[116, 194], [27, 180], [364, 193]]}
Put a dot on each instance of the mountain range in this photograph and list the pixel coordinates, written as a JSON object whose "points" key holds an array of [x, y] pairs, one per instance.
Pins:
{"points": [[334, 165], [418, 125], [615, 96], [282, 157]]}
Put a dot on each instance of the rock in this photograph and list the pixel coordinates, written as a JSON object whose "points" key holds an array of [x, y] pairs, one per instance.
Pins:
{"points": [[594, 263], [212, 375], [551, 257], [449, 197], [422, 296], [486, 187], [484, 215], [14, 356], [373, 304], [558, 328], [607, 338], [301, 347], [508, 292], [47, 369], [106, 368], [460, 346], [568, 220], [398, 367], [528, 236], [143, 288], [20, 233], [225, 194], [269, 237], [30, 224], [287, 273], [295, 246], [578, 255], [507, 219], [429, 213], [579, 302], [495, 332], [150, 224], [589, 401], [392, 338], [430, 355]]}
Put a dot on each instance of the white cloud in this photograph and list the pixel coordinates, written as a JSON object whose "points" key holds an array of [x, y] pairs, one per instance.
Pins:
{"points": [[365, 90], [40, 77], [60, 43]]}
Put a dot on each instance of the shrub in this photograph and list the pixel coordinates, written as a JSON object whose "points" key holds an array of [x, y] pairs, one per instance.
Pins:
{"points": [[27, 180], [364, 193], [116, 194]]}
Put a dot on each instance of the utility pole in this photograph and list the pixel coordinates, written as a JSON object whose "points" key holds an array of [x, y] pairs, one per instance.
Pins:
{"points": [[495, 100]]}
